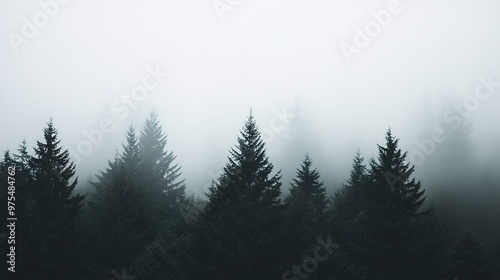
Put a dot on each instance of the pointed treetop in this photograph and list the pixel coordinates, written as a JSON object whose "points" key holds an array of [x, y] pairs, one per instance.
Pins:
{"points": [[306, 202], [131, 156], [53, 169], [131, 145], [6, 156], [388, 134], [392, 173], [152, 131], [22, 155], [158, 162], [391, 141], [358, 169], [249, 170], [153, 117], [50, 132], [307, 179], [50, 150], [390, 156], [307, 158], [306, 164], [250, 124]]}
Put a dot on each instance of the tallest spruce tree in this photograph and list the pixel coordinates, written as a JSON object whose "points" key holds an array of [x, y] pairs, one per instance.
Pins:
{"points": [[238, 231], [247, 180]]}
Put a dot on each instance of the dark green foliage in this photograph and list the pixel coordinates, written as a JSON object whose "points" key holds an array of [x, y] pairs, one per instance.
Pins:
{"points": [[345, 207], [347, 202], [163, 189], [131, 158], [237, 233], [50, 249], [392, 193], [137, 192], [305, 218], [392, 236], [139, 221], [306, 203], [118, 223]]}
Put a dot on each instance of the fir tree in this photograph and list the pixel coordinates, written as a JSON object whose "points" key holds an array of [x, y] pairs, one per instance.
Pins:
{"points": [[164, 190], [237, 235], [53, 245], [346, 203], [345, 206], [305, 221], [391, 237], [118, 214], [131, 157], [305, 207], [118, 222]]}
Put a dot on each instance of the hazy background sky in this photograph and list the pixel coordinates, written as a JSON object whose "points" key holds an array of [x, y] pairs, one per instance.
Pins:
{"points": [[266, 55]]}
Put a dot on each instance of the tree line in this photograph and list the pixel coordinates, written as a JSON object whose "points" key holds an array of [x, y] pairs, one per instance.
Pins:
{"points": [[137, 222]]}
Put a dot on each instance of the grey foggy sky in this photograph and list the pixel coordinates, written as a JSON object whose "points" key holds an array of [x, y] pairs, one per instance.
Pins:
{"points": [[267, 55]]}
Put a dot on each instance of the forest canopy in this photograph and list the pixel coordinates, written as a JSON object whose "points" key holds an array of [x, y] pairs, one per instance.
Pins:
{"points": [[135, 219]]}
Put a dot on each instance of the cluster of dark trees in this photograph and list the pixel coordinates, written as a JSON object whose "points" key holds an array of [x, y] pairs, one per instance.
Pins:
{"points": [[138, 223]]}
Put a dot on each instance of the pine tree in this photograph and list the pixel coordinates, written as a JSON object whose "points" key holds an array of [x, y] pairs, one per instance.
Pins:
{"points": [[164, 190], [391, 190], [392, 237], [118, 221], [53, 246], [346, 203], [305, 207], [345, 206], [118, 214], [237, 235], [131, 157], [140, 186], [305, 222]]}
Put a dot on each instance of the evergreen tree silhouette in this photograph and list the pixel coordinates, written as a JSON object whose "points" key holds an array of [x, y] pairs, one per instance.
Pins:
{"points": [[119, 224], [53, 244], [392, 236], [347, 202], [164, 190], [237, 236], [305, 218]]}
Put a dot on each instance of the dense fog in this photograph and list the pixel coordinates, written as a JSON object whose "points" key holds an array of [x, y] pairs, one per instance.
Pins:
{"points": [[322, 78]]}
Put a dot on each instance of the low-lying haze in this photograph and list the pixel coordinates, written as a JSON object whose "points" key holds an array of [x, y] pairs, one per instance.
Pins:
{"points": [[79, 61]]}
